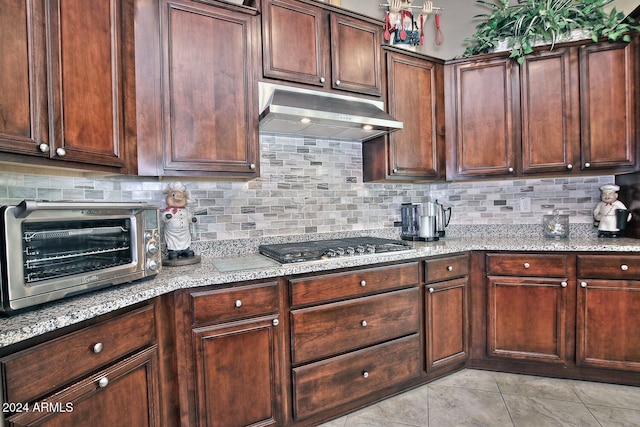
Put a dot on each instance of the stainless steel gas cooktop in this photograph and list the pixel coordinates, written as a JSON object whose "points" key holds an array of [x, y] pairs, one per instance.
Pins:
{"points": [[286, 253]]}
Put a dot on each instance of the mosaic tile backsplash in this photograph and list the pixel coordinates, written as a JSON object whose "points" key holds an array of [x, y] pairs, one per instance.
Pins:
{"points": [[312, 186]]}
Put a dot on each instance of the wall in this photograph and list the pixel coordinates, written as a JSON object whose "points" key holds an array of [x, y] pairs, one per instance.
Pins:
{"points": [[457, 21], [315, 186]]}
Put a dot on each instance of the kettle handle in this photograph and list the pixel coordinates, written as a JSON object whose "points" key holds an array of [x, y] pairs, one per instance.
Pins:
{"points": [[447, 219]]}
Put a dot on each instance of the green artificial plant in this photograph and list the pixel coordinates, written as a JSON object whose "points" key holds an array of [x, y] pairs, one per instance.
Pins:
{"points": [[530, 22]]}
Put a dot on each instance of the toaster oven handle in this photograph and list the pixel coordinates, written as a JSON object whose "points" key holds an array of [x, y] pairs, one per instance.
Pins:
{"points": [[26, 207]]}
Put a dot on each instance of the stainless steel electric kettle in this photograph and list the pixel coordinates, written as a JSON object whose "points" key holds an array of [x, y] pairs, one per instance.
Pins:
{"points": [[442, 214]]}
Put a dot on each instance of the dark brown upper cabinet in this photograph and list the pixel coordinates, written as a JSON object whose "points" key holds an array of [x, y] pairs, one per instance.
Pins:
{"points": [[196, 89], [313, 45], [67, 82]]}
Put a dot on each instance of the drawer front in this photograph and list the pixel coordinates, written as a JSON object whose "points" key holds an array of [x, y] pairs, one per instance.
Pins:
{"points": [[335, 328], [222, 305], [38, 370], [439, 269], [330, 383], [625, 267], [331, 287], [527, 265]]}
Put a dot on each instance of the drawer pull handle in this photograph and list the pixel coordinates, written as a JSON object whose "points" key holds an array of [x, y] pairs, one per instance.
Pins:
{"points": [[431, 290], [624, 267], [450, 268], [275, 322], [365, 374], [103, 382], [527, 265], [238, 303], [583, 284], [564, 284], [363, 283], [97, 347], [364, 323]]}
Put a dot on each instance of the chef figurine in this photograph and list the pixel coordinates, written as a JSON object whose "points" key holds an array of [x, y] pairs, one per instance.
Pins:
{"points": [[177, 220], [605, 212]]}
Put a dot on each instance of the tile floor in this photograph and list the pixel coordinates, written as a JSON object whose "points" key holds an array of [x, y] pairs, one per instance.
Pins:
{"points": [[481, 398]]}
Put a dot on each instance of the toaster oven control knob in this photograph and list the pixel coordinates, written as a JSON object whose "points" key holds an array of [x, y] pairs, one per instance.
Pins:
{"points": [[147, 235], [152, 248], [152, 265]]}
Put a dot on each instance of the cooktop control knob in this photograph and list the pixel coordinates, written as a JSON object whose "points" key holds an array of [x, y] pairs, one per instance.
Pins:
{"points": [[360, 249], [371, 249], [351, 250]]}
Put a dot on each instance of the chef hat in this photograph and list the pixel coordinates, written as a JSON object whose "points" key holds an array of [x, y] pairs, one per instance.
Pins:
{"points": [[609, 188], [177, 186]]}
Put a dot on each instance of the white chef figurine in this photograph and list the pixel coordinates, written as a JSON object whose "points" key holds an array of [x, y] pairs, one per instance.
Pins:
{"points": [[177, 220], [605, 211]]}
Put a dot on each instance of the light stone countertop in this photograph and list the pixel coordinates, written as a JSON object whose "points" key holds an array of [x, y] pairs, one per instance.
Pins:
{"points": [[59, 314]]}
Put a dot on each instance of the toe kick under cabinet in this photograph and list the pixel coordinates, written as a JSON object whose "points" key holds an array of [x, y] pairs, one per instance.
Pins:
{"points": [[354, 336]]}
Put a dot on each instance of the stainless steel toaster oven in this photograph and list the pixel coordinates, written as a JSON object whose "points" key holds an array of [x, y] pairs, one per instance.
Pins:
{"points": [[51, 250]]}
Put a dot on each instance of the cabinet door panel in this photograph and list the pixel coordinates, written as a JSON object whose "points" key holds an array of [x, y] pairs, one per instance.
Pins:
{"points": [[527, 318], [23, 107], [130, 397], [607, 91], [607, 335], [355, 55], [481, 120], [446, 323], [294, 48], [209, 117], [87, 69], [549, 103], [414, 150], [236, 370]]}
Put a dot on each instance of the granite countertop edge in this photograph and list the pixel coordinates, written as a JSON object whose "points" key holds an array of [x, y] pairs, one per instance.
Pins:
{"points": [[59, 314]]}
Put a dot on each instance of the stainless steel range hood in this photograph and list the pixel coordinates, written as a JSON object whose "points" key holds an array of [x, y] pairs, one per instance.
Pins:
{"points": [[300, 112]]}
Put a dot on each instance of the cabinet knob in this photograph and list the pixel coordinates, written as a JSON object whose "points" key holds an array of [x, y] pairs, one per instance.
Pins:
{"points": [[527, 265], [252, 166], [431, 290], [583, 284], [364, 323], [97, 347], [624, 267], [61, 152], [322, 79], [395, 170], [450, 268], [337, 82], [275, 322], [564, 284], [510, 170], [569, 166], [363, 283], [44, 148], [238, 303], [587, 165], [365, 374], [103, 382]]}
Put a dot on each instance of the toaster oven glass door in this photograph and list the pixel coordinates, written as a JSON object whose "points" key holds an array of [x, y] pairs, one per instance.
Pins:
{"points": [[57, 249]]}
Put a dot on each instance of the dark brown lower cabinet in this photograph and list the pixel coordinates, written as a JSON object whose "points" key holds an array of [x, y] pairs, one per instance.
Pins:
{"points": [[228, 361], [446, 312]]}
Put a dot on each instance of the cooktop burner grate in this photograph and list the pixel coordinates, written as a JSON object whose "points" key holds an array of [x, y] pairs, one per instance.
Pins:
{"points": [[322, 249]]}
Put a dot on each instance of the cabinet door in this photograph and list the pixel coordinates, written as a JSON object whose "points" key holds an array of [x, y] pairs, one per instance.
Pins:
{"points": [[23, 104], [125, 394], [480, 119], [89, 77], [608, 116], [294, 42], [355, 55], [446, 325], [415, 97], [607, 327], [527, 318], [237, 373], [550, 111], [210, 117]]}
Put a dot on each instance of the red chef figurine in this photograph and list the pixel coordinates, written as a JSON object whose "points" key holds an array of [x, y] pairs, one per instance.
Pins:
{"points": [[177, 221]]}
